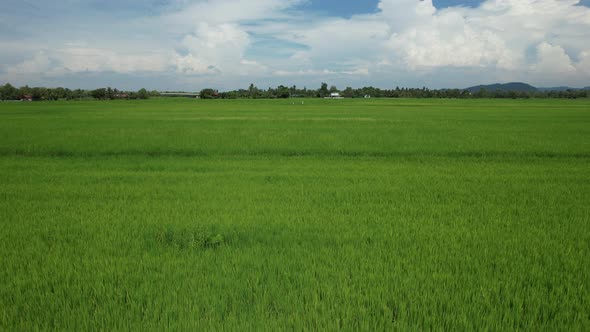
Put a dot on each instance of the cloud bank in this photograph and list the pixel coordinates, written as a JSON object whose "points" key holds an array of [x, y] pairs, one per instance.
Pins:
{"points": [[230, 43]]}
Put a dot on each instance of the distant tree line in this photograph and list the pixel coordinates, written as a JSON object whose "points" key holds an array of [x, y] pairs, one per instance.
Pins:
{"points": [[294, 92], [324, 91], [9, 92]]}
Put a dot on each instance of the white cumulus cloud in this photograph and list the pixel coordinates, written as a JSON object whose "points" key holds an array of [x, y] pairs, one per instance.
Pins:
{"points": [[405, 42]]}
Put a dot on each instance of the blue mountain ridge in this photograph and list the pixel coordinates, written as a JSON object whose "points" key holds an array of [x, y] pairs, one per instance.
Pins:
{"points": [[519, 87]]}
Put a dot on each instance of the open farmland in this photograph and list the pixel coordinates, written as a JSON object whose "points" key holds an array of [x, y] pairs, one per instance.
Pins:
{"points": [[327, 215]]}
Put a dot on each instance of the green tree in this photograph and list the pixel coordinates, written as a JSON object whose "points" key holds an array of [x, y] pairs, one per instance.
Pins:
{"points": [[109, 93], [143, 94], [39, 93], [79, 94], [482, 93], [348, 92], [209, 94], [282, 92], [24, 90], [323, 92], [8, 92], [253, 91], [99, 93]]}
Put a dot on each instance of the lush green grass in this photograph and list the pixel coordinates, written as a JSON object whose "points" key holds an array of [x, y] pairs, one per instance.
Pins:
{"points": [[239, 215]]}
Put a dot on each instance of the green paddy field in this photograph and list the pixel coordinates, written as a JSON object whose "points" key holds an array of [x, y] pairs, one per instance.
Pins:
{"points": [[275, 215]]}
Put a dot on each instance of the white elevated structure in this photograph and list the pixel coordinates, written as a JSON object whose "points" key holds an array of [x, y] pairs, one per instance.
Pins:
{"points": [[335, 95], [181, 94]]}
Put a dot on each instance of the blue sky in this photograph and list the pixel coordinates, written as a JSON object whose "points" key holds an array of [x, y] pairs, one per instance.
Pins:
{"points": [[226, 44], [349, 8]]}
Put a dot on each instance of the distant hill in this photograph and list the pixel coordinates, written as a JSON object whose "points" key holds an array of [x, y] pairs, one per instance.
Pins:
{"points": [[514, 86], [519, 86]]}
